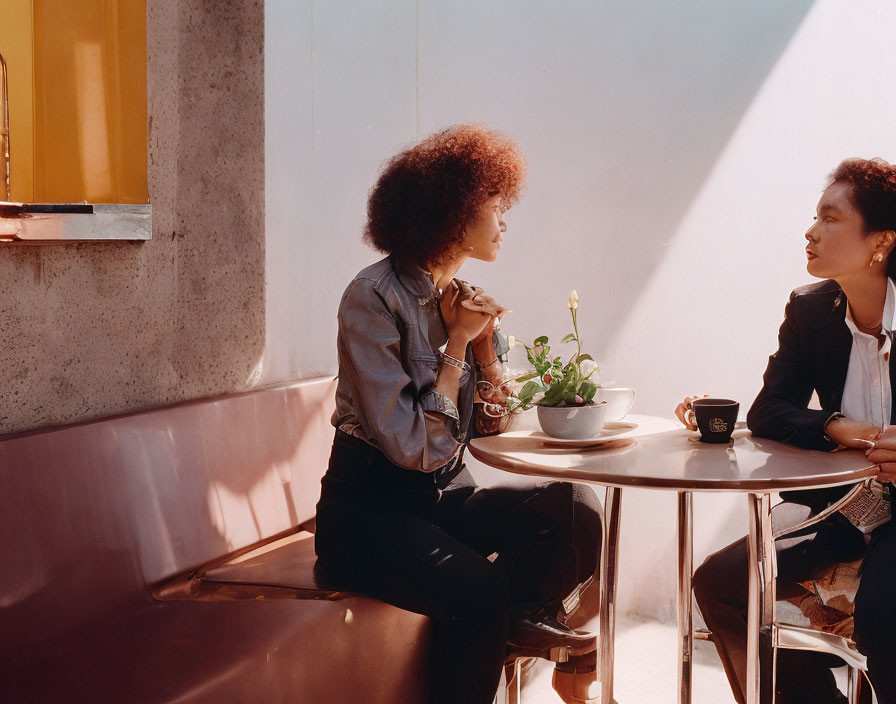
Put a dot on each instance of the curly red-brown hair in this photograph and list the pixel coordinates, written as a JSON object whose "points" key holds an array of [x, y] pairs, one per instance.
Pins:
{"points": [[873, 193], [429, 193]]}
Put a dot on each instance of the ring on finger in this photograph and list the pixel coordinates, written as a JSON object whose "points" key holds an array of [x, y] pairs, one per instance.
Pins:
{"points": [[869, 445]]}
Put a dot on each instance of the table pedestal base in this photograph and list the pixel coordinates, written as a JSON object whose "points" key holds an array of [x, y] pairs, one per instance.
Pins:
{"points": [[609, 581]]}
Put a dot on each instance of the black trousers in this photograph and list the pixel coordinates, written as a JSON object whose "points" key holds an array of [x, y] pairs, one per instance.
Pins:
{"points": [[390, 533], [720, 587]]}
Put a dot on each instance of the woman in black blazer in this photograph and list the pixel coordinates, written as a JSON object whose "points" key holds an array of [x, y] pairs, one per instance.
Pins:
{"points": [[850, 246]]}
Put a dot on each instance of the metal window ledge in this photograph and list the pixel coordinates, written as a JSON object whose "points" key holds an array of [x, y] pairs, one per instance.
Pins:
{"points": [[59, 223]]}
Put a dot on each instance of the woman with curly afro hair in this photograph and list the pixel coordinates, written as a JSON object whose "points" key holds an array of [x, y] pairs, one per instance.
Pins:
{"points": [[835, 341], [400, 518]]}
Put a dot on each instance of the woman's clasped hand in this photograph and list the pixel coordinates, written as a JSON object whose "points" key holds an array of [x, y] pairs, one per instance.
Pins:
{"points": [[879, 444], [469, 313], [464, 309]]}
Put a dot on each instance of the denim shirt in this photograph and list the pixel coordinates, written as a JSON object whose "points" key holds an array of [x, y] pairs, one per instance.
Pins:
{"points": [[390, 334]]}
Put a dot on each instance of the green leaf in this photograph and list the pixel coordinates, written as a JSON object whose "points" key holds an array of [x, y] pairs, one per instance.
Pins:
{"points": [[526, 377], [568, 338], [569, 396], [513, 403], [553, 396], [541, 366], [543, 340], [529, 390], [587, 390], [583, 357]]}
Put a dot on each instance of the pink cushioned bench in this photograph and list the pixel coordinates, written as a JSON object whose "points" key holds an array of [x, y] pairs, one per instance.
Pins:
{"points": [[162, 557]]}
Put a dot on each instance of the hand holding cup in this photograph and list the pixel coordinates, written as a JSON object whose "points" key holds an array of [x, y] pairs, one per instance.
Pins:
{"points": [[713, 417], [684, 411]]}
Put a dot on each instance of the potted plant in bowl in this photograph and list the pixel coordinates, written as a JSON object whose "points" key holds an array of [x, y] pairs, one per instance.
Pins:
{"points": [[562, 390]]}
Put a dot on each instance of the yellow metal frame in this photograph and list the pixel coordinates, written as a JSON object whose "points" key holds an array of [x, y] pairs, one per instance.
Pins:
{"points": [[4, 129]]}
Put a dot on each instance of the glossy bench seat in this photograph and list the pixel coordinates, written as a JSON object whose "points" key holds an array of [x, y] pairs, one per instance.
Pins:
{"points": [[95, 518], [225, 651], [287, 564]]}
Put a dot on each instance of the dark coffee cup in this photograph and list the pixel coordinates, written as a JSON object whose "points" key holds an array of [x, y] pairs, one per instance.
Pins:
{"points": [[715, 418]]}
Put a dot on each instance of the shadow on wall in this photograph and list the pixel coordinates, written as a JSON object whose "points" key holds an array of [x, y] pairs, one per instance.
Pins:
{"points": [[622, 108], [623, 111]]}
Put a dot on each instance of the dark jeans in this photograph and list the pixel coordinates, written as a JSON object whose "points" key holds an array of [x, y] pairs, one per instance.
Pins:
{"points": [[720, 587], [390, 533]]}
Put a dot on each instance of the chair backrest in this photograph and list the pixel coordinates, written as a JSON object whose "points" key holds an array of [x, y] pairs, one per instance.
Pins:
{"points": [[92, 514]]}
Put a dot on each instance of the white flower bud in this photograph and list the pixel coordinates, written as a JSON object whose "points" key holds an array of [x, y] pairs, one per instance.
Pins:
{"points": [[511, 341], [588, 366], [573, 300]]}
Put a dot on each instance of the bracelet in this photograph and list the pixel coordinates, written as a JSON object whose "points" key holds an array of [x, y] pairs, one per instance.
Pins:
{"points": [[452, 361]]}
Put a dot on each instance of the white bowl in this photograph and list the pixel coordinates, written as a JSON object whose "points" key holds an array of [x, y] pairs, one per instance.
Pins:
{"points": [[573, 422]]}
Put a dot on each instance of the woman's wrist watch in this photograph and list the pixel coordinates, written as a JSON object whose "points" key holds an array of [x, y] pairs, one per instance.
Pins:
{"points": [[831, 419]]}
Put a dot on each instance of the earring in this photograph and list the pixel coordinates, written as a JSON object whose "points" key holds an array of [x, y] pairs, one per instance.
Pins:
{"points": [[879, 257]]}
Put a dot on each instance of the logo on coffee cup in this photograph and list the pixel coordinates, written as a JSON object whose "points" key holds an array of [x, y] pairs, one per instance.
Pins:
{"points": [[717, 425]]}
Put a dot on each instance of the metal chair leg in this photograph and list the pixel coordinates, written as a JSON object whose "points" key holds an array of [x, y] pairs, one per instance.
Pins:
{"points": [[867, 683], [761, 628], [852, 685], [505, 684], [501, 694], [512, 681]]}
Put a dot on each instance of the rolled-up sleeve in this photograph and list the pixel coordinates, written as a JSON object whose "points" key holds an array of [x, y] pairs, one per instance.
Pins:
{"points": [[413, 427]]}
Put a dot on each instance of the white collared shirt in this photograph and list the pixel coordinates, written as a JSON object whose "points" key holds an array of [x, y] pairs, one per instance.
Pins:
{"points": [[866, 393]]}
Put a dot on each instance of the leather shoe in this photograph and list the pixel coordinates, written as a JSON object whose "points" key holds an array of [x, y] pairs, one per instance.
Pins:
{"points": [[539, 631]]}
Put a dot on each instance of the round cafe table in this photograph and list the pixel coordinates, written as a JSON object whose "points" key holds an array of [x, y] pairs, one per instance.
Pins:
{"points": [[657, 453]]}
